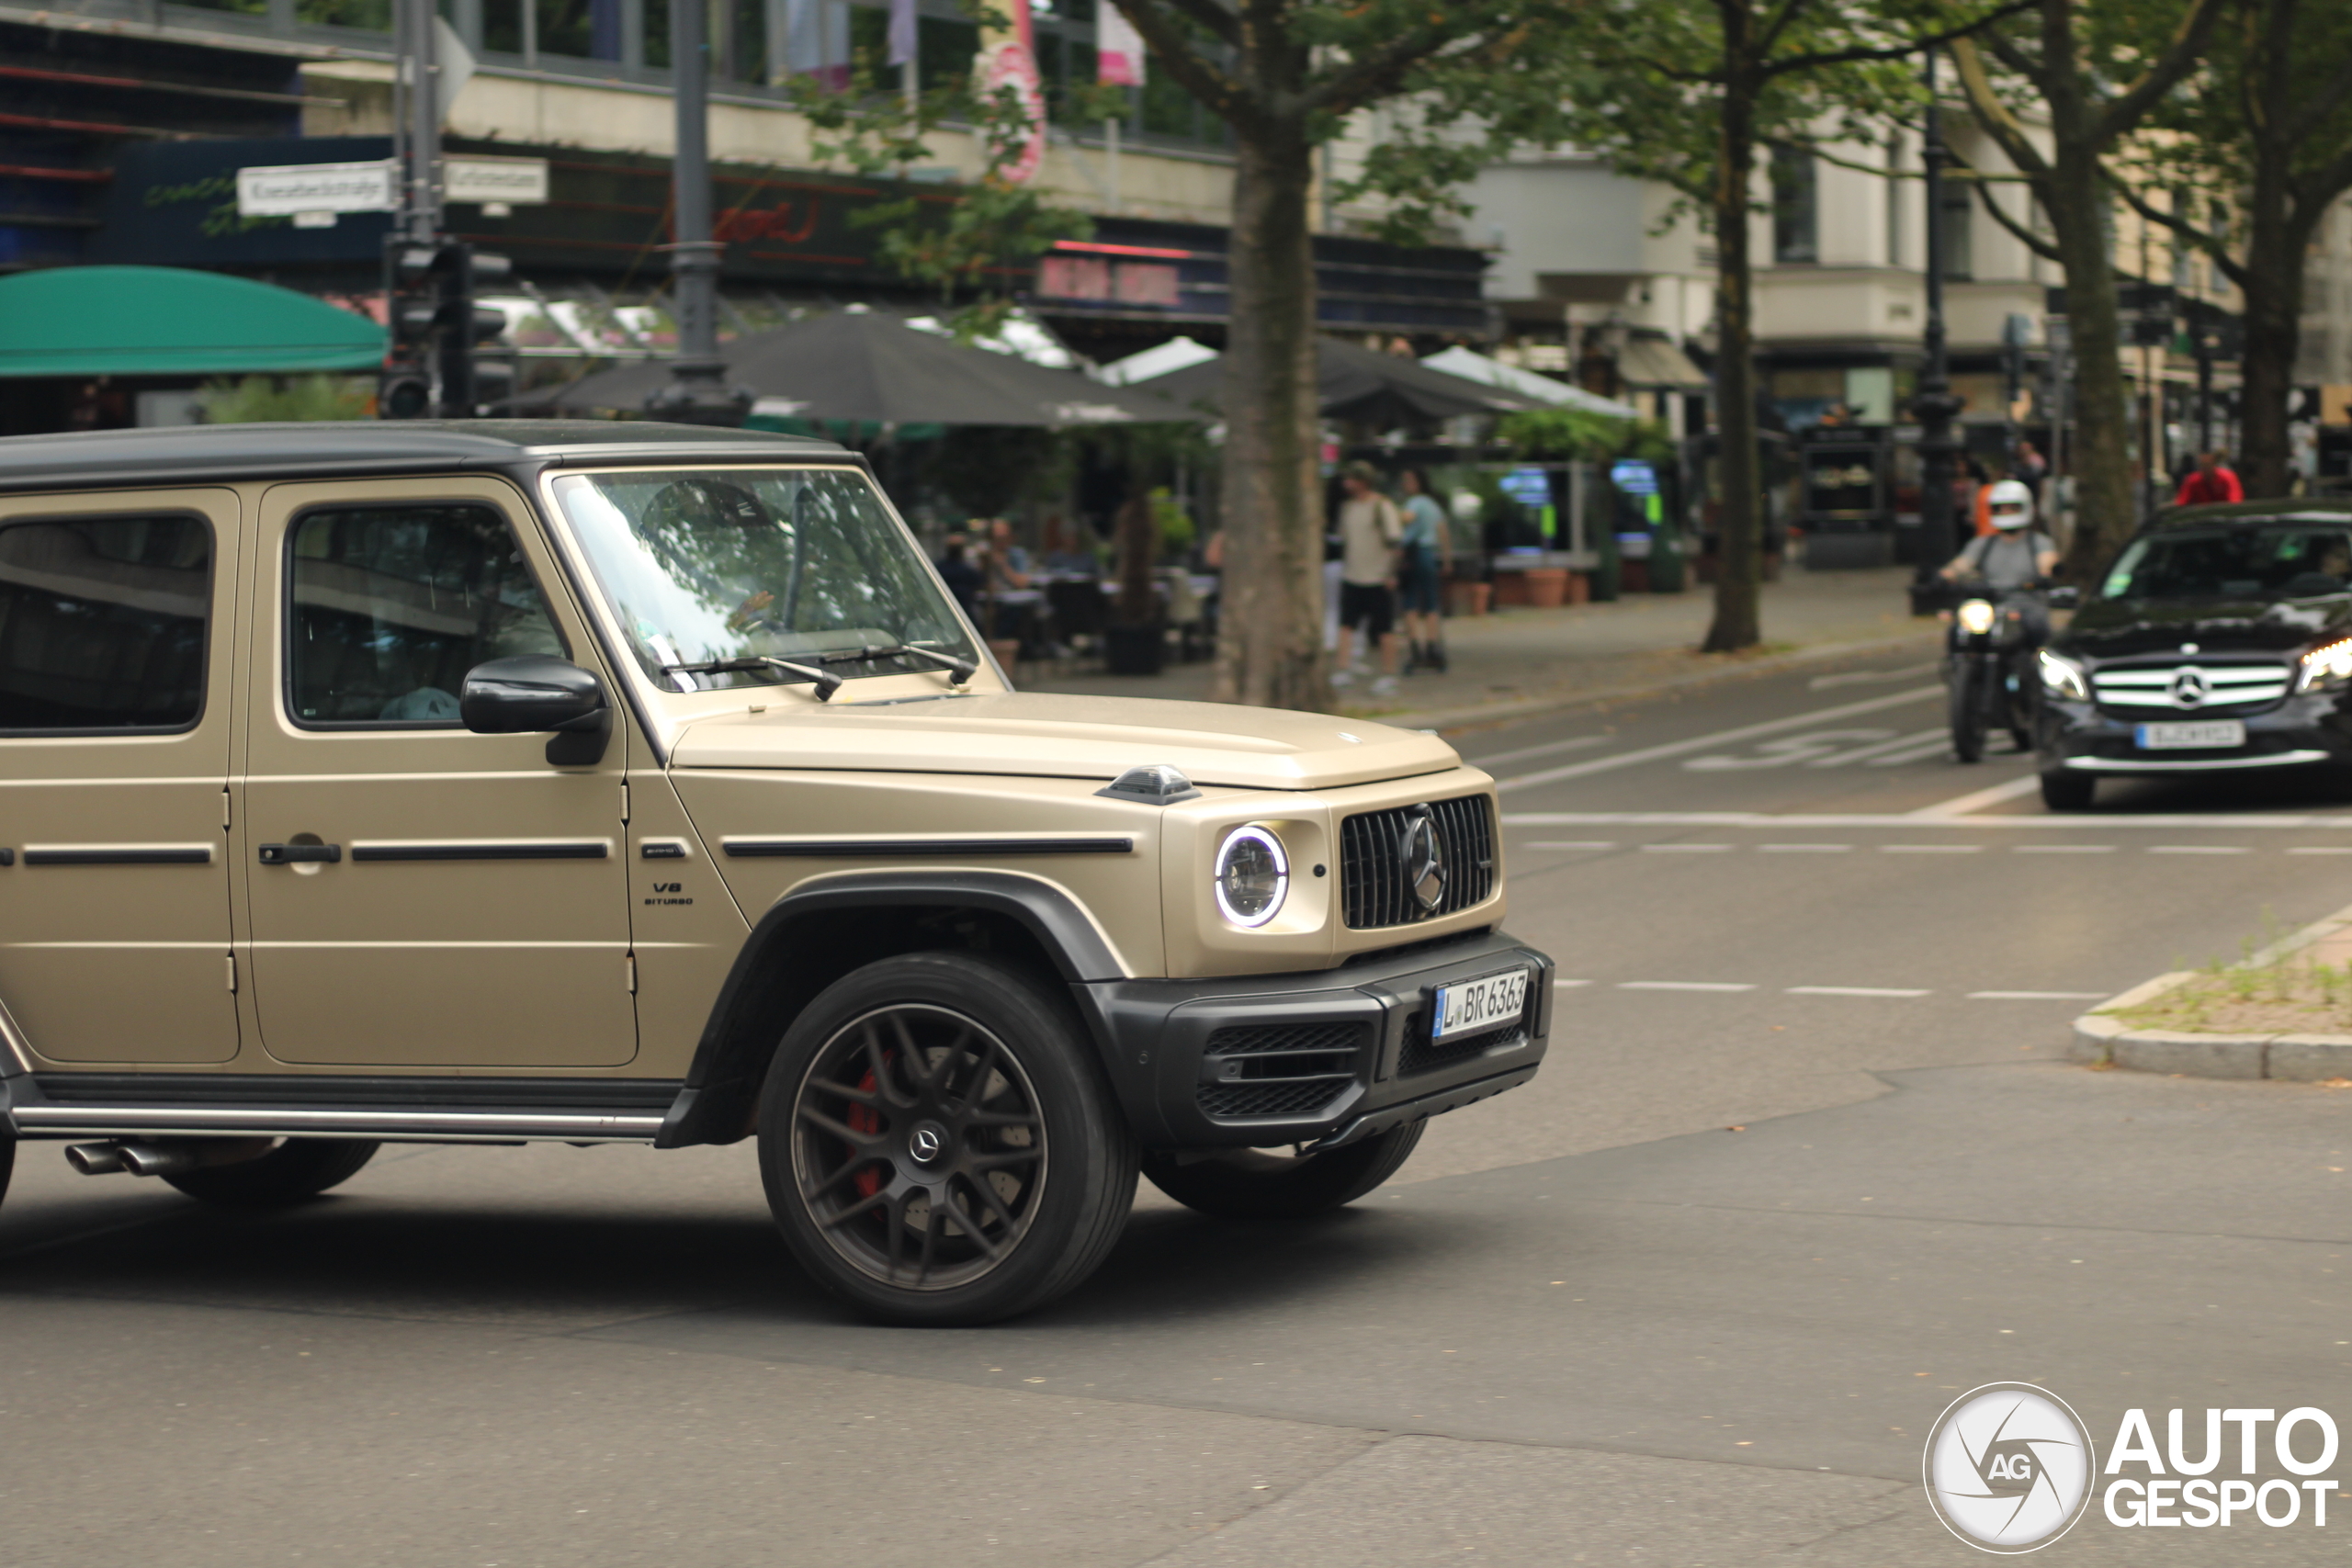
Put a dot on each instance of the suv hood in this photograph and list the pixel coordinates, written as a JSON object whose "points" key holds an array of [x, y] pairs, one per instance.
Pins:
{"points": [[1047, 736], [2112, 628]]}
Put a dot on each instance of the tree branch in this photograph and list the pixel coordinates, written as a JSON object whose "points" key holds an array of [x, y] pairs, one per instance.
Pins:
{"points": [[1775, 25], [1216, 18], [2188, 48], [2006, 131], [1894, 51], [2212, 245], [1376, 75], [1193, 70], [2024, 235]]}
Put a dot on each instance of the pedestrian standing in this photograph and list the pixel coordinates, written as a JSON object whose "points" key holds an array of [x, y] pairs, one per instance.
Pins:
{"points": [[2213, 481], [1417, 573], [1370, 531]]}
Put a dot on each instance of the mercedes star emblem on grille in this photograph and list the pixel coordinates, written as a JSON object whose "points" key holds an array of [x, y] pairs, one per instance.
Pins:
{"points": [[1421, 853], [2189, 689]]}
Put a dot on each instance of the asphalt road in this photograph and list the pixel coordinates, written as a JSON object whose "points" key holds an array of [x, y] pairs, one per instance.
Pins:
{"points": [[1804, 1164]]}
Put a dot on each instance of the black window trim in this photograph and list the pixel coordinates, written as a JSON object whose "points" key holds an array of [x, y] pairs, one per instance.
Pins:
{"points": [[211, 623], [286, 611]]}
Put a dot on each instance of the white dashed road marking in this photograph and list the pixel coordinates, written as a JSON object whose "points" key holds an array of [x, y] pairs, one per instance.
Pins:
{"points": [[2037, 996], [2062, 849], [1929, 849], [1853, 991], [1681, 986], [2197, 850], [1804, 849]]}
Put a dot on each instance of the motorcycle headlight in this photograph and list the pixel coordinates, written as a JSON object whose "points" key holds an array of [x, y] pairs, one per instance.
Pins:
{"points": [[1977, 617], [2061, 677], [2326, 667], [1252, 876]]}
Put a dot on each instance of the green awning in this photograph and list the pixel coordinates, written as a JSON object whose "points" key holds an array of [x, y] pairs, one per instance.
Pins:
{"points": [[169, 320]]}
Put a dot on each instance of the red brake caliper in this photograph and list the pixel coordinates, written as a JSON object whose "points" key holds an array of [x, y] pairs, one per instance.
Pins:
{"points": [[865, 1119]]}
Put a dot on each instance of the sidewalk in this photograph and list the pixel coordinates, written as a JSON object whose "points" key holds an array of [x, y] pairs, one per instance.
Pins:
{"points": [[1515, 663]]}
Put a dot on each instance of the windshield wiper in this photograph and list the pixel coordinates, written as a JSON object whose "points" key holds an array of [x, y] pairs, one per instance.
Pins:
{"points": [[958, 669], [826, 682]]}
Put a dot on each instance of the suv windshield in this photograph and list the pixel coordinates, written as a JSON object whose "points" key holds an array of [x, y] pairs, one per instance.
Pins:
{"points": [[2265, 560], [726, 564]]}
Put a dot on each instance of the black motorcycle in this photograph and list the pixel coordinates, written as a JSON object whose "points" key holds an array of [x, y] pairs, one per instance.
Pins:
{"points": [[1989, 662]]}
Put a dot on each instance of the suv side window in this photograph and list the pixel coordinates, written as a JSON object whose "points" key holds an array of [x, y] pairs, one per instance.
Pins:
{"points": [[388, 606], [102, 623]]}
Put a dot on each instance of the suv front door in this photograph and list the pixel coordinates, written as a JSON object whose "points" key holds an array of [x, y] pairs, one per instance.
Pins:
{"points": [[422, 895], [115, 728]]}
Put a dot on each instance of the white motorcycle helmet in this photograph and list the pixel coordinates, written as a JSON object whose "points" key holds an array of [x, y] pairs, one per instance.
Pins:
{"points": [[2012, 505]]}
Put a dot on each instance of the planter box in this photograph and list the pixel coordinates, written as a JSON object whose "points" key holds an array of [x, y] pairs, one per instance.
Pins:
{"points": [[1547, 586], [1468, 598]]}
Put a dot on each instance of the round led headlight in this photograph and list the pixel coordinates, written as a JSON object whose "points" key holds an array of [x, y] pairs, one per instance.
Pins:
{"points": [[1977, 617], [1252, 876]]}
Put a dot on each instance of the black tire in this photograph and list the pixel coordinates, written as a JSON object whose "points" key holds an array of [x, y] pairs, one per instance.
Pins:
{"points": [[1255, 1184], [1031, 1160], [1966, 713], [2068, 792], [297, 1170]]}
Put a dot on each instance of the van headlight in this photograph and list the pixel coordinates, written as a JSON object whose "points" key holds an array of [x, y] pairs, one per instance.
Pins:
{"points": [[1977, 617], [2326, 667], [2061, 677], [1252, 876]]}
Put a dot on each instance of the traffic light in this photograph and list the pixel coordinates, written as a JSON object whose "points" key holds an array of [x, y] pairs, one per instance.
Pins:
{"points": [[405, 386], [433, 364]]}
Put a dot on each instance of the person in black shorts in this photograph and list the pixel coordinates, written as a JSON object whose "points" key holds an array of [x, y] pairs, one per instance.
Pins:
{"points": [[1370, 529]]}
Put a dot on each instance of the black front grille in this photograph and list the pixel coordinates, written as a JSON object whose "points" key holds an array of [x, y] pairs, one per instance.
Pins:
{"points": [[1280, 1069], [1371, 872]]}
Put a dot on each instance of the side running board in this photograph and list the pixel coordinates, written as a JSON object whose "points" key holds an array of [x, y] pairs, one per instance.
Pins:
{"points": [[410, 1110]]}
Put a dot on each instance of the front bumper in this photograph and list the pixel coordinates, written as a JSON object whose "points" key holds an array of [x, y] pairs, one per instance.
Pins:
{"points": [[2306, 729], [1264, 1060]]}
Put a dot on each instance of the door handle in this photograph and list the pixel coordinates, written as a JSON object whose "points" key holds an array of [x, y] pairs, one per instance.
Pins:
{"points": [[292, 854]]}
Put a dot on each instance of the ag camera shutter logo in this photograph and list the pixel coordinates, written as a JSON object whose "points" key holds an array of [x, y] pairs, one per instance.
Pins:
{"points": [[2009, 1467]]}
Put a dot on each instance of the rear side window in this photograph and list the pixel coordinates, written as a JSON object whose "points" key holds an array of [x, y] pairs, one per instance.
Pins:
{"points": [[391, 605], [102, 623]]}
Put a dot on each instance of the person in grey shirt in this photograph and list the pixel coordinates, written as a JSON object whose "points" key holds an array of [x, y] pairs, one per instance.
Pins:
{"points": [[2015, 555]]}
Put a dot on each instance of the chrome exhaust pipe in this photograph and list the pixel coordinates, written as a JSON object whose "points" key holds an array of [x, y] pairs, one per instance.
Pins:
{"points": [[95, 1159], [150, 1159]]}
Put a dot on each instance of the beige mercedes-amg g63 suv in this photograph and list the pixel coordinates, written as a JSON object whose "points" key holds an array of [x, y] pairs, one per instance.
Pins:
{"points": [[499, 781]]}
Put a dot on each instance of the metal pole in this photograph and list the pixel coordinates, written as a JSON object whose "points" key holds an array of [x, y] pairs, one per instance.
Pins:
{"points": [[425, 125], [697, 393], [1934, 405]]}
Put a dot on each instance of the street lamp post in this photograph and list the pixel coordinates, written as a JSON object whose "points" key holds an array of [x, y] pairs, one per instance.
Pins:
{"points": [[1934, 405], [698, 393]]}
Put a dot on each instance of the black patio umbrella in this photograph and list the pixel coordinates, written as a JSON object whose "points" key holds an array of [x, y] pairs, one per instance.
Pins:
{"points": [[868, 365], [1360, 384]]}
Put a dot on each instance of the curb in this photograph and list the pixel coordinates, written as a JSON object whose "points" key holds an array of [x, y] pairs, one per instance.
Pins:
{"points": [[1482, 716], [2103, 1042]]}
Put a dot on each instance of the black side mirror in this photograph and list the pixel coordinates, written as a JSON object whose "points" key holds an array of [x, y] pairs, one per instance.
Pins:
{"points": [[533, 692]]}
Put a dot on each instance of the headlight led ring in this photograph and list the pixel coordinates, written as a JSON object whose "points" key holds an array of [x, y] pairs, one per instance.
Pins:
{"points": [[1252, 876]]}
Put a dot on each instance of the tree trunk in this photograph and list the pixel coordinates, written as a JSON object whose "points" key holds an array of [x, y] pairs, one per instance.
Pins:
{"points": [[2273, 305], [1269, 633], [2105, 511], [1740, 537]]}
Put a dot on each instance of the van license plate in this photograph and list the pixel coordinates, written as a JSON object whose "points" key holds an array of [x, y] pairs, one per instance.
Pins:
{"points": [[1473, 1005], [2211, 735]]}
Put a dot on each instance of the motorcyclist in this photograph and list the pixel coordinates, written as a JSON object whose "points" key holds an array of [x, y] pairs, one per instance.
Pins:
{"points": [[2014, 557]]}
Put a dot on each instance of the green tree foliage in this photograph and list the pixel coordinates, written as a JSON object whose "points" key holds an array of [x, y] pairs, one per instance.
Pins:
{"points": [[1684, 91], [973, 242], [1581, 435], [2061, 87], [2248, 152], [262, 399]]}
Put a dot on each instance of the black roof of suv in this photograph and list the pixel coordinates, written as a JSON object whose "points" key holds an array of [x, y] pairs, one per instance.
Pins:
{"points": [[223, 452]]}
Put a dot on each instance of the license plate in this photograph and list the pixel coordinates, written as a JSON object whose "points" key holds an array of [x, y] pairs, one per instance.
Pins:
{"points": [[1472, 1005], [2211, 734]]}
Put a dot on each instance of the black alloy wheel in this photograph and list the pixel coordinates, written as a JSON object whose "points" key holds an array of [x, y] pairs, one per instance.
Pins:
{"points": [[1967, 712], [1260, 1184], [937, 1143], [2068, 791], [296, 1170]]}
